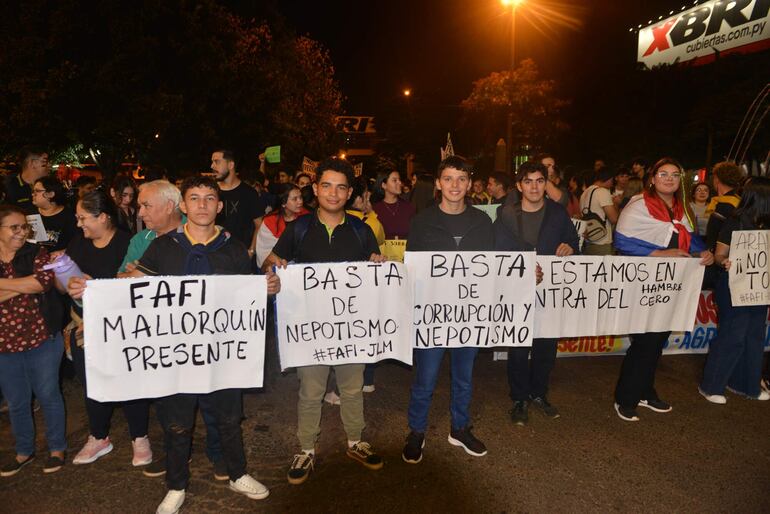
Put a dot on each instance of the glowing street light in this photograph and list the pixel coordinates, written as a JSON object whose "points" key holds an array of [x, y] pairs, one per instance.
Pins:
{"points": [[407, 92], [513, 4]]}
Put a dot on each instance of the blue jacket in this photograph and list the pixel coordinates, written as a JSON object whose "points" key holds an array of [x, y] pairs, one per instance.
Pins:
{"points": [[557, 228]]}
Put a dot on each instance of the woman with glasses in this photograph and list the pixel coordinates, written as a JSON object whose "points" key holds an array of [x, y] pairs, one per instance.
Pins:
{"points": [[657, 223], [735, 356], [49, 197], [31, 345], [125, 192], [99, 252]]}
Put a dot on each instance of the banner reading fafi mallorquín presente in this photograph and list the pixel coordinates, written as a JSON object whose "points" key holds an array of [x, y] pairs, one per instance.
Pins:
{"points": [[700, 32]]}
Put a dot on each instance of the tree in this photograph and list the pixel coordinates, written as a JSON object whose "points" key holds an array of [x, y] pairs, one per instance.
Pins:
{"points": [[531, 100], [161, 81]]}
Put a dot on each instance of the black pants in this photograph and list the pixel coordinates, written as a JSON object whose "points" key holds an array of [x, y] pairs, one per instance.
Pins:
{"points": [[137, 412], [637, 374], [177, 414], [529, 377]]}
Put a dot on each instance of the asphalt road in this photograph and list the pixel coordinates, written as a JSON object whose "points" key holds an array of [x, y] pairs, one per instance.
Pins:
{"points": [[698, 458]]}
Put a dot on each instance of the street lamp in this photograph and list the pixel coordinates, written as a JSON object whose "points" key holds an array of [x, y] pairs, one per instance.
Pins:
{"points": [[513, 4], [407, 92]]}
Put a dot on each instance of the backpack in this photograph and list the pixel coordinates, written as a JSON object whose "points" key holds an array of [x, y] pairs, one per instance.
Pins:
{"points": [[302, 224], [596, 227]]}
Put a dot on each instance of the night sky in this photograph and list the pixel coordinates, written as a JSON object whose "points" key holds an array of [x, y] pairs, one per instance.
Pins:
{"points": [[437, 48]]}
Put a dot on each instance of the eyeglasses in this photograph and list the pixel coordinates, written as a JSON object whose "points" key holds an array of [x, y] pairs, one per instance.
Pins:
{"points": [[39, 191], [664, 175], [18, 228], [81, 218]]}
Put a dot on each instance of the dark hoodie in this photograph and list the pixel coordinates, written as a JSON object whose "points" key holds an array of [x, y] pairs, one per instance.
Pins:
{"points": [[557, 228], [429, 232]]}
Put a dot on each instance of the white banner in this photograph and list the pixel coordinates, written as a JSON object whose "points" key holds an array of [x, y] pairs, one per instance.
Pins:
{"points": [[157, 336], [608, 295], [703, 30], [343, 313], [472, 299], [749, 273]]}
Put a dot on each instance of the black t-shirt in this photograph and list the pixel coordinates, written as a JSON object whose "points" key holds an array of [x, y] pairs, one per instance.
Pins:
{"points": [[61, 228], [99, 262], [241, 206], [728, 227], [530, 225], [458, 225], [344, 245], [165, 256], [18, 192]]}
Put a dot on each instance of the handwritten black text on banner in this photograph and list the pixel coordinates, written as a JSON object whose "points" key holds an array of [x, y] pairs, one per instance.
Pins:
{"points": [[609, 295], [343, 313], [472, 299], [156, 336], [749, 273]]}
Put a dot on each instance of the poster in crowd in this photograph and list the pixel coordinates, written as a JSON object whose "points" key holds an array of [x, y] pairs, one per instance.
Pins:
{"points": [[343, 313], [695, 341], [490, 209], [472, 299], [156, 336], [749, 274], [393, 249], [38, 231], [309, 166], [605, 295]]}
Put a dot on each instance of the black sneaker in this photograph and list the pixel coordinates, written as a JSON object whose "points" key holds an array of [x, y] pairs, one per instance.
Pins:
{"points": [[14, 466], [656, 405], [300, 468], [53, 464], [545, 407], [220, 470], [412, 453], [465, 439], [519, 413], [156, 468], [363, 453], [626, 414]]}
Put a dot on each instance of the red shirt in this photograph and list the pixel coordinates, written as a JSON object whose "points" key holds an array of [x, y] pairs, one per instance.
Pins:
{"points": [[22, 326]]}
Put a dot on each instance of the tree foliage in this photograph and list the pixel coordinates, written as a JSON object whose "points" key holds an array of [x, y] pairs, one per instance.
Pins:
{"points": [[161, 81], [532, 101]]}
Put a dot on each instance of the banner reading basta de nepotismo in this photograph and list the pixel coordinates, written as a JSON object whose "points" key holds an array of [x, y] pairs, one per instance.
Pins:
{"points": [[703, 30], [157, 336], [343, 313]]}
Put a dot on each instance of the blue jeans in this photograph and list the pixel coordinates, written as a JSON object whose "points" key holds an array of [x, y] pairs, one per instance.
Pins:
{"points": [[35, 371], [426, 367], [735, 354]]}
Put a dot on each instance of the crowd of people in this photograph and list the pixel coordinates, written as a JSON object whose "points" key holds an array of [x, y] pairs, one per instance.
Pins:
{"points": [[218, 224]]}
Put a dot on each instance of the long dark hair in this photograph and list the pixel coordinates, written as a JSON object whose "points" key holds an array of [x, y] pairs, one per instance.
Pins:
{"points": [[283, 197], [120, 183], [98, 202], [754, 207], [681, 194], [53, 185]]}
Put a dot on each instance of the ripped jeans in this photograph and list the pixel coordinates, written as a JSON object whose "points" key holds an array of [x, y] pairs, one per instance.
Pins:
{"points": [[178, 418]]}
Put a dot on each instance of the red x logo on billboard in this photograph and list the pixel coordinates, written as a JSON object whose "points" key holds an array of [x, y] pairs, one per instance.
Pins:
{"points": [[660, 37]]}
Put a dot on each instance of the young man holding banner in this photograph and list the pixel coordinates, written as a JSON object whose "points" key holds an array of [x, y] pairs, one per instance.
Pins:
{"points": [[328, 235], [449, 226], [199, 247], [540, 224]]}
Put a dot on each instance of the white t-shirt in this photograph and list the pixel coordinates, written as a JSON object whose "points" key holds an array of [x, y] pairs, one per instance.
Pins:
{"points": [[602, 198]]}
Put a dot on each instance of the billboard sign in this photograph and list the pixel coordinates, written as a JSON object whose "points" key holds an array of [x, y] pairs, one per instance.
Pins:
{"points": [[699, 33]]}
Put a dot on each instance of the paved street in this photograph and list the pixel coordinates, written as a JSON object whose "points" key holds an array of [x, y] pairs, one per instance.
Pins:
{"points": [[699, 458]]}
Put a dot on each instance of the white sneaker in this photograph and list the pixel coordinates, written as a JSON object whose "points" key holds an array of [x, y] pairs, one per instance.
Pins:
{"points": [[713, 398], [368, 388], [331, 398], [250, 487], [763, 396], [171, 503]]}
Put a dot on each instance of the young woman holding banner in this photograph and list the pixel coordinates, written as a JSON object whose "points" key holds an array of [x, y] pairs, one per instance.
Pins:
{"points": [[657, 223], [735, 355], [98, 252]]}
